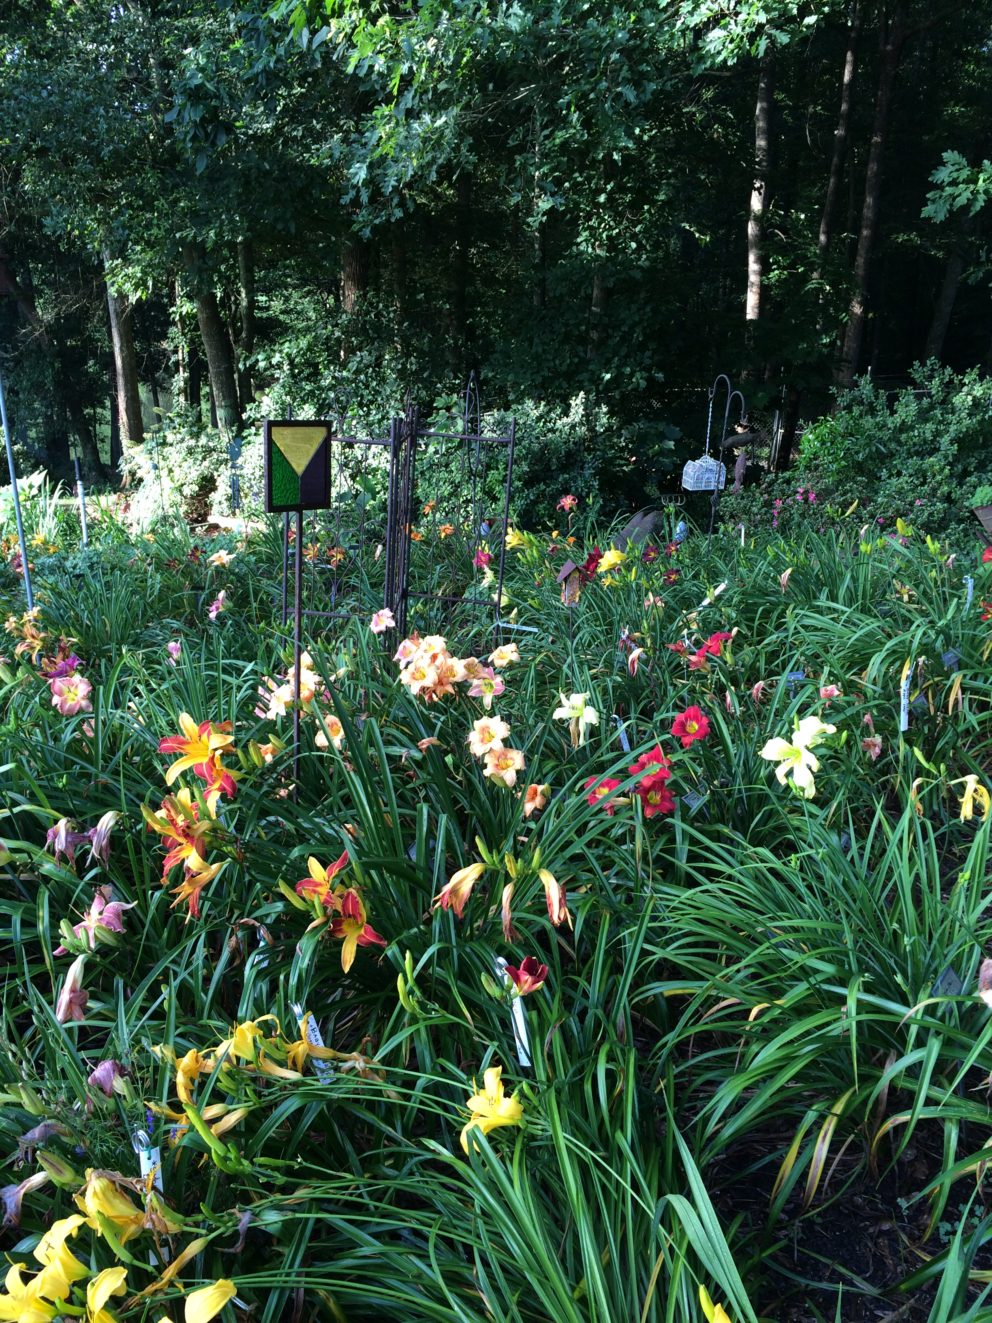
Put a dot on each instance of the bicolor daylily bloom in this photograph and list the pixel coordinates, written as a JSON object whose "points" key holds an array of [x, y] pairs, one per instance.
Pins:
{"points": [[101, 921], [318, 886], [579, 715], [218, 605], [70, 694], [795, 758], [381, 621], [351, 927], [487, 685], [490, 1107], [503, 765], [222, 558], [529, 977], [487, 734], [198, 746], [535, 798]]}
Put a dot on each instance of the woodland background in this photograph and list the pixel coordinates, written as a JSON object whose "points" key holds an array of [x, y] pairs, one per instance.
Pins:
{"points": [[209, 211]]}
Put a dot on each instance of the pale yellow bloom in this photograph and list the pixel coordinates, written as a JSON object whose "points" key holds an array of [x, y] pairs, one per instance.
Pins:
{"points": [[794, 758], [974, 795], [610, 560], [112, 1281]]}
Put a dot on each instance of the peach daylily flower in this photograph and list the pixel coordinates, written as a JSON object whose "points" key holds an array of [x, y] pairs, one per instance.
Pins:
{"points": [[503, 765]]}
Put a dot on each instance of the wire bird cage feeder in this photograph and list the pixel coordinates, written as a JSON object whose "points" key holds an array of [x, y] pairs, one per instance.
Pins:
{"points": [[709, 473]]}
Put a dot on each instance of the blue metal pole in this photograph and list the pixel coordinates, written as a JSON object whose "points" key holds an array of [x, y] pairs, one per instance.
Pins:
{"points": [[17, 500]]}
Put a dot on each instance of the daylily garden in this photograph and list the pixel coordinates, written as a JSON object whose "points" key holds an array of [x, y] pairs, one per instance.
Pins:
{"points": [[623, 959]]}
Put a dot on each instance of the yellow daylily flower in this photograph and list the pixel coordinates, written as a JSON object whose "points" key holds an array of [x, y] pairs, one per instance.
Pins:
{"points": [[974, 794], [491, 1108], [60, 1266], [100, 1198], [112, 1281], [713, 1313], [208, 1301], [610, 560], [23, 1302]]}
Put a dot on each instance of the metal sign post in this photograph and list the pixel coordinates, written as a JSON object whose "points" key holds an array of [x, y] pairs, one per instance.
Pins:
{"points": [[81, 496], [26, 569]]}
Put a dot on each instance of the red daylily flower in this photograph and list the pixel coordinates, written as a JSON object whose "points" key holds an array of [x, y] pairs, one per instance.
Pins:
{"points": [[352, 929], [600, 792], [691, 725], [529, 977]]}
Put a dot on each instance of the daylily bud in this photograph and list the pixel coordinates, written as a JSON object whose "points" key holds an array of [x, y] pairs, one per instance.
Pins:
{"points": [[59, 1170]]}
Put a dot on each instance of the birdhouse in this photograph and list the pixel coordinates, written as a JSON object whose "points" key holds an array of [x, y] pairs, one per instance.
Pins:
{"points": [[570, 578]]}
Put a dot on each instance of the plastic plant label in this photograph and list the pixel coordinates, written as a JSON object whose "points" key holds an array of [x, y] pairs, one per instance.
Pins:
{"points": [[969, 584], [622, 734], [907, 679], [947, 984], [308, 1028], [518, 1016], [951, 659]]}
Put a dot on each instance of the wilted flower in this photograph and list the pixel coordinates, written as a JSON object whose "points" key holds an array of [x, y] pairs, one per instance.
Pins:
{"points": [[105, 1075], [535, 798], [102, 917], [783, 578], [828, 691], [633, 661], [99, 837], [554, 895], [454, 894], [872, 745], [71, 1004], [973, 795], [491, 1108], [63, 840]]}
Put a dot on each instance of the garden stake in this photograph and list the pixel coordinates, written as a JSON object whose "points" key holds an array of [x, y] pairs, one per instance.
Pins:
{"points": [[518, 1017], [297, 647], [81, 495], [25, 568]]}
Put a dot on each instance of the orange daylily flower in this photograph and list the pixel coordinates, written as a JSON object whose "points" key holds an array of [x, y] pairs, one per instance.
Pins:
{"points": [[352, 928]]}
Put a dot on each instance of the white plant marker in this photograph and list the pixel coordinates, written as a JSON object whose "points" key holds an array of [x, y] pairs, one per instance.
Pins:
{"points": [[518, 1016], [308, 1028], [907, 680]]}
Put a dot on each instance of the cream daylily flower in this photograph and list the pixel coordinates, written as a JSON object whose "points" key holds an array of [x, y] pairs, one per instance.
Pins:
{"points": [[795, 758], [579, 715]]}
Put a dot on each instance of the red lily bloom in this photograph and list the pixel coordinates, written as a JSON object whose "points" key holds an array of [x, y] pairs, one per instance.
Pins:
{"points": [[600, 792], [691, 725], [655, 796], [529, 977], [986, 555], [651, 765], [670, 577], [587, 570]]}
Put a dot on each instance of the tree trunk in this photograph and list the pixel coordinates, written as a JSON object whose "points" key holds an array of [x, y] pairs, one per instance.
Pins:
{"points": [[194, 379], [246, 308], [854, 335], [125, 366], [841, 134], [89, 454], [944, 306], [220, 363], [790, 423], [354, 271], [597, 310], [759, 191]]}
